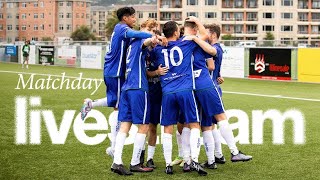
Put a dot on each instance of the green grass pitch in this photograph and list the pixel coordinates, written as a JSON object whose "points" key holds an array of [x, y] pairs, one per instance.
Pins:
{"points": [[75, 160]]}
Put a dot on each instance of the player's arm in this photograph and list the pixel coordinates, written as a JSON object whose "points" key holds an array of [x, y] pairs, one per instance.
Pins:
{"points": [[210, 64], [137, 34], [159, 72], [220, 79], [204, 45], [202, 30]]}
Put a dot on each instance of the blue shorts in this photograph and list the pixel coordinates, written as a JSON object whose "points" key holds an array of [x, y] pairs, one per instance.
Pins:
{"points": [[113, 91], [206, 120], [211, 103], [155, 96], [173, 103], [133, 107]]}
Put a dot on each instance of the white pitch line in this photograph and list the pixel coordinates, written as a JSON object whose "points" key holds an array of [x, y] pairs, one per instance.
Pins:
{"points": [[273, 96], [16, 72]]}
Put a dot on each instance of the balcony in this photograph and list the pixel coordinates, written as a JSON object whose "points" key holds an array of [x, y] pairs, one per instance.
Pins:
{"points": [[303, 4], [252, 4], [252, 19], [251, 32], [316, 4]]}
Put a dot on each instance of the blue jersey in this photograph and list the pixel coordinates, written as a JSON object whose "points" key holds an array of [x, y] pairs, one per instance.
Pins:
{"points": [[177, 56], [114, 65], [217, 62], [155, 91], [201, 73], [136, 77]]}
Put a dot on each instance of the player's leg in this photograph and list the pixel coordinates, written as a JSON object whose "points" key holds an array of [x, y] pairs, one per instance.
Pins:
{"points": [[188, 107], [139, 104], [27, 62], [113, 99], [169, 117], [151, 144], [179, 158], [125, 117], [219, 158], [186, 148], [24, 60], [208, 140]]}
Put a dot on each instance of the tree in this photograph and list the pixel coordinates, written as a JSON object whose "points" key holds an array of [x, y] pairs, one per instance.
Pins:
{"points": [[46, 39], [269, 39], [111, 23], [82, 34], [228, 38]]}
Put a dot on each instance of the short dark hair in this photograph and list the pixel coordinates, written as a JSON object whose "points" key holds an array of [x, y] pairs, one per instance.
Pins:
{"points": [[181, 31], [190, 24], [157, 32], [169, 28], [125, 11], [213, 28]]}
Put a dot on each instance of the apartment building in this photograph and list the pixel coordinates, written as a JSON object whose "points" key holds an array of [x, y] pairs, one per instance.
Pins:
{"points": [[36, 19], [250, 19], [100, 14]]}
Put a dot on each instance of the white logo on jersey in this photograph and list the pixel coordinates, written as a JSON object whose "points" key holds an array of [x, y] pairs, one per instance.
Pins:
{"points": [[197, 73]]}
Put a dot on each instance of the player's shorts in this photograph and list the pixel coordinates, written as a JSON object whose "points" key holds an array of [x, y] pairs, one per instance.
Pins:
{"points": [[211, 103], [133, 107], [113, 91], [155, 96], [173, 103]]}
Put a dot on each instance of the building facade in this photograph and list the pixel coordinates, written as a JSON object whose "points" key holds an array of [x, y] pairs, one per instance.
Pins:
{"points": [[250, 19], [37, 19]]}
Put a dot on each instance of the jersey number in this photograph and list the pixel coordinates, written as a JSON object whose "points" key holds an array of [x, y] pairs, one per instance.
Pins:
{"points": [[172, 61]]}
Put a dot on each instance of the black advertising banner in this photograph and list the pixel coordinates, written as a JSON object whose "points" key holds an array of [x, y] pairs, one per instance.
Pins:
{"points": [[46, 55], [270, 63]]}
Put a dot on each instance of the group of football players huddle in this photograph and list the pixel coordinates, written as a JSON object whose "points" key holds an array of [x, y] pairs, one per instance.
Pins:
{"points": [[169, 80]]}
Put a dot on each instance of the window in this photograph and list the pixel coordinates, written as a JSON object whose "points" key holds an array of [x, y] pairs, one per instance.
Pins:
{"points": [[316, 4], [60, 15], [94, 13], [165, 16], [9, 39], [238, 16], [303, 16], [42, 15], [60, 27], [88, 4], [226, 16], [251, 29], [82, 4], [211, 2], [140, 14], [77, 15], [69, 15], [251, 16], [23, 4], [35, 27], [268, 15], [35, 15], [315, 16], [23, 16], [1, 16], [82, 15], [302, 29], [315, 29], [69, 3], [9, 16], [41, 4], [1, 27], [17, 27], [286, 15], [23, 27], [226, 28], [17, 16], [252, 4], [267, 28], [286, 28], [153, 15], [286, 3], [192, 14], [68, 27], [1, 4], [60, 3], [192, 2], [9, 27], [9, 5], [35, 4], [238, 3], [88, 16], [41, 27], [210, 15], [268, 2], [34, 38]]}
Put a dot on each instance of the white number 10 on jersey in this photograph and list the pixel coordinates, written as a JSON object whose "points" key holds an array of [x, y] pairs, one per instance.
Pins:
{"points": [[166, 58]]}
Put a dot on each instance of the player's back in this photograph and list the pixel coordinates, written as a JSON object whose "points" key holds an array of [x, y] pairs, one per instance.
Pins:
{"points": [[177, 56], [201, 72], [136, 77], [114, 65]]}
